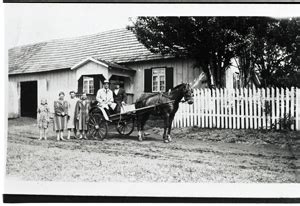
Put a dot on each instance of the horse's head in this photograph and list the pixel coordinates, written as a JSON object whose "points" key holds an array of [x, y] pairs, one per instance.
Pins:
{"points": [[188, 93]]}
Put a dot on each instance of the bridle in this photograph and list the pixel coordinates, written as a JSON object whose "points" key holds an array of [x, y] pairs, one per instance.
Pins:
{"points": [[188, 96]]}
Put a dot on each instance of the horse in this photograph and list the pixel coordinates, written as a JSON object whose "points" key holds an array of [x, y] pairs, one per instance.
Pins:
{"points": [[165, 105]]}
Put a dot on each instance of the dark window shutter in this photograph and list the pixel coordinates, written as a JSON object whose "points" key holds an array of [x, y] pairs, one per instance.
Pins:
{"points": [[169, 78], [96, 84], [80, 85], [148, 80]]}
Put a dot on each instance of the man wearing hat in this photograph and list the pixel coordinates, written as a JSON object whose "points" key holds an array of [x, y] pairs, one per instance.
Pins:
{"points": [[105, 98], [120, 97]]}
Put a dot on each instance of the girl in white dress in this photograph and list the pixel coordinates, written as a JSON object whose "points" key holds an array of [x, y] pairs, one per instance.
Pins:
{"points": [[71, 119]]}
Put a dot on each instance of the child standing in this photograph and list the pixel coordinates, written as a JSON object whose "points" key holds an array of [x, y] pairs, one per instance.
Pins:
{"points": [[82, 115], [43, 118]]}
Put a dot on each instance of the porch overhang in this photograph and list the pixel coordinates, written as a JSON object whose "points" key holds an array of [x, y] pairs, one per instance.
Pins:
{"points": [[89, 59], [101, 67]]}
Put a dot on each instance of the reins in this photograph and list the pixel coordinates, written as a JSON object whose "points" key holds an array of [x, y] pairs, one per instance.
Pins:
{"points": [[155, 106]]}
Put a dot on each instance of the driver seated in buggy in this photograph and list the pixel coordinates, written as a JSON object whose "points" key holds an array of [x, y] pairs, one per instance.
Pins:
{"points": [[105, 100]]}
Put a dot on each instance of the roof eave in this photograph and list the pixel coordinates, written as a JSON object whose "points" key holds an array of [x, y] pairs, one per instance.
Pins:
{"points": [[32, 72]]}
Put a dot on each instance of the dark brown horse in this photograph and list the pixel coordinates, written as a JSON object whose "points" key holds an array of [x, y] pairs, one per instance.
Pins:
{"points": [[166, 106]]}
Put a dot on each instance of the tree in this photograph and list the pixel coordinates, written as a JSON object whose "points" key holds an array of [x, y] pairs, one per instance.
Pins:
{"points": [[209, 40], [271, 49]]}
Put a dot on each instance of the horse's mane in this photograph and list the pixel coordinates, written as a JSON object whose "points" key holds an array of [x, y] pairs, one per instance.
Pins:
{"points": [[178, 86]]}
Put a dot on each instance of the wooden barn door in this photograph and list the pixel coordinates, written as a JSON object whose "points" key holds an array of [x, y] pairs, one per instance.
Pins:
{"points": [[29, 99]]}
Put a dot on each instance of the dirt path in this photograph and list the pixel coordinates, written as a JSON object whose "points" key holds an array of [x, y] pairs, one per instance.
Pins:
{"points": [[194, 156]]}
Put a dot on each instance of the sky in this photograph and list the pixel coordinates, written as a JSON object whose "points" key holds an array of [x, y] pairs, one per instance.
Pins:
{"points": [[32, 23]]}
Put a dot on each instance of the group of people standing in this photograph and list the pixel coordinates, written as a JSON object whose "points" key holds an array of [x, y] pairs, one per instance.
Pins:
{"points": [[73, 114]]}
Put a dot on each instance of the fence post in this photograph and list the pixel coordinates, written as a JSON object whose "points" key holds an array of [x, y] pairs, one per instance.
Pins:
{"points": [[202, 107], [210, 98], [191, 114], [297, 109], [255, 102], [242, 108], [238, 109], [222, 107], [268, 112], [272, 106], [234, 108], [277, 107], [218, 107], [230, 100], [196, 107], [225, 108], [292, 107], [282, 103], [250, 99], [287, 101], [214, 108], [246, 108]]}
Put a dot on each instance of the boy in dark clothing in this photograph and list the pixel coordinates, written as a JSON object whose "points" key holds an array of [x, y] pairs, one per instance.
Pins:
{"points": [[120, 97]]}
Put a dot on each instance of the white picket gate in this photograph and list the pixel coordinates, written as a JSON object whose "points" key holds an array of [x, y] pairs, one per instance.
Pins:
{"points": [[245, 108]]}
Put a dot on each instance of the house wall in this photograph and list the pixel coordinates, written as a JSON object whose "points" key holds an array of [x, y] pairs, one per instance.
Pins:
{"points": [[13, 99], [49, 85], [184, 71], [230, 73]]}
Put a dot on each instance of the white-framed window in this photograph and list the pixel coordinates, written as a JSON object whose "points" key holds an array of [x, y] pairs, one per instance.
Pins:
{"points": [[88, 85], [158, 79]]}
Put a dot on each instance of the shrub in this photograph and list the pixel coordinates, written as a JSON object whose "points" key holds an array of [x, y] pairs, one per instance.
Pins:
{"points": [[285, 122]]}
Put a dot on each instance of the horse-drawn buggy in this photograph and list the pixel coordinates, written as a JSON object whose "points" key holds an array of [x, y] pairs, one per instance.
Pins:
{"points": [[159, 104]]}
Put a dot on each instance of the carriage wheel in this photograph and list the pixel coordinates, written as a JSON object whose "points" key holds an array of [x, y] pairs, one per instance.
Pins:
{"points": [[125, 127], [97, 126]]}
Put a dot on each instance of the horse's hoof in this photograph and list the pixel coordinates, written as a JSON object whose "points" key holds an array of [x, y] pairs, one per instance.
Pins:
{"points": [[166, 141], [140, 139], [169, 138]]}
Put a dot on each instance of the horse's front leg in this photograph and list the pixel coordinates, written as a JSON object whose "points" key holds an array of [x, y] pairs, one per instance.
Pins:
{"points": [[166, 125], [142, 121], [170, 127], [139, 128]]}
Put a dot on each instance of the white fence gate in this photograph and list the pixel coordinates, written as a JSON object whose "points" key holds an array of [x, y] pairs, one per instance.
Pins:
{"points": [[246, 108]]}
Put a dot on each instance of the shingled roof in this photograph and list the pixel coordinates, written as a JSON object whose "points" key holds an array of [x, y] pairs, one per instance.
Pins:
{"points": [[116, 46]]}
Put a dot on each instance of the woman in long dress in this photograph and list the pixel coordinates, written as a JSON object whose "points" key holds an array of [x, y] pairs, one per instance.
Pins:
{"points": [[60, 116], [82, 115], [71, 111]]}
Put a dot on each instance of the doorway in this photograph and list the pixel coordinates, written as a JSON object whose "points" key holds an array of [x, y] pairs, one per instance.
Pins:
{"points": [[29, 99]]}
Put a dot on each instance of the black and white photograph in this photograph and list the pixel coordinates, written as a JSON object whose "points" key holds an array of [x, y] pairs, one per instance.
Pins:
{"points": [[166, 95]]}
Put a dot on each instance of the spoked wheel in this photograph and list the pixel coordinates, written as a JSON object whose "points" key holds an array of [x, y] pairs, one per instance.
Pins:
{"points": [[97, 127], [125, 127]]}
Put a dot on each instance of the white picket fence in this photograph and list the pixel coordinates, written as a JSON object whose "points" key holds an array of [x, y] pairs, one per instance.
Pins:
{"points": [[245, 108]]}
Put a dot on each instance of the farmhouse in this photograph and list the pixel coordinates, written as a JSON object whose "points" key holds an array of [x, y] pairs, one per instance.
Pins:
{"points": [[44, 69]]}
